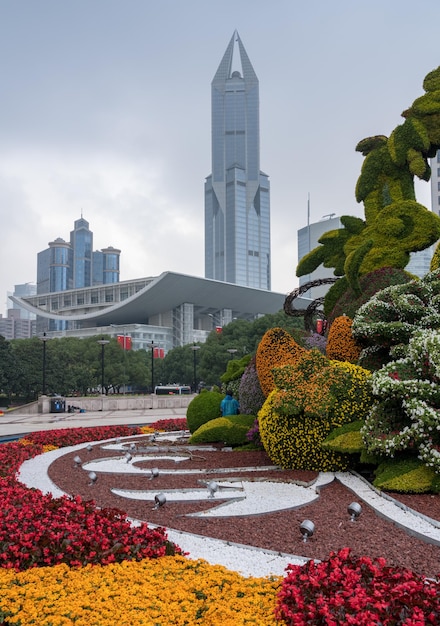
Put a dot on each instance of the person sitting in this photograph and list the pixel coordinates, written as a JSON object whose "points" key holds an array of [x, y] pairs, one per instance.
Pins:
{"points": [[229, 405]]}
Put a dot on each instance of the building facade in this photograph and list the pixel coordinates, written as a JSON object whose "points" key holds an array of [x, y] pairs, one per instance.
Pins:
{"points": [[237, 192], [74, 265], [170, 310]]}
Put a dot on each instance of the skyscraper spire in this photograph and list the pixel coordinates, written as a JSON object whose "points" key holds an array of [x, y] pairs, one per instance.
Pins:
{"points": [[237, 202]]}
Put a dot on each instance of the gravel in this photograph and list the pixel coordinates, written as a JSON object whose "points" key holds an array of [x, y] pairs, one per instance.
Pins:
{"points": [[256, 535]]}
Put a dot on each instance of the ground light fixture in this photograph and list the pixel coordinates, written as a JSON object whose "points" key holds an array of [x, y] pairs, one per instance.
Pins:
{"points": [[212, 488], [159, 500], [93, 478], [154, 473], [127, 457], [307, 528], [132, 446], [354, 510], [89, 447], [77, 460]]}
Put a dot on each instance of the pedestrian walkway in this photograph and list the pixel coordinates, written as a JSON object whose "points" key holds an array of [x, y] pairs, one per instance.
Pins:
{"points": [[13, 423]]}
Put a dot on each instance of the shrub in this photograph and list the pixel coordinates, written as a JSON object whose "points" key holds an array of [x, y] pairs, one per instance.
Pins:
{"points": [[406, 414], [408, 475], [341, 344], [250, 395], [346, 589], [230, 430], [317, 341], [311, 398], [392, 315], [203, 408], [295, 443], [253, 435], [346, 439], [276, 348]]}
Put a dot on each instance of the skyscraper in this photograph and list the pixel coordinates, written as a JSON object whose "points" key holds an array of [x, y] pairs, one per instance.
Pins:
{"points": [[74, 265], [237, 193]]}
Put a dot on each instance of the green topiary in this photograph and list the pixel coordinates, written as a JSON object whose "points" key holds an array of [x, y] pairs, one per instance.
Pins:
{"points": [[311, 398], [348, 303], [346, 439], [235, 369], [395, 223], [408, 475], [296, 443], [203, 408], [230, 430]]}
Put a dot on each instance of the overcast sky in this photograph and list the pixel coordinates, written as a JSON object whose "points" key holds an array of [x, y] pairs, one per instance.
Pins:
{"points": [[106, 111]]}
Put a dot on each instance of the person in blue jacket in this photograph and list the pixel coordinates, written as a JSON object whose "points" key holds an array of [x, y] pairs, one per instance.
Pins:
{"points": [[229, 405]]}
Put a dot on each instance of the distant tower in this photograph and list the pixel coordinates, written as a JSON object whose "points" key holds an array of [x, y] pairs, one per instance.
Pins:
{"points": [[74, 265], [237, 193], [81, 240]]}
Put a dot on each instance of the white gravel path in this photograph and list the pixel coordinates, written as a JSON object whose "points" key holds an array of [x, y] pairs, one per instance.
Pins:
{"points": [[243, 559]]}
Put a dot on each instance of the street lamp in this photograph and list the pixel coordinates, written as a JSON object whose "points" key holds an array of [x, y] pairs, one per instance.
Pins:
{"points": [[44, 339], [194, 348], [152, 346], [232, 351], [102, 342]]}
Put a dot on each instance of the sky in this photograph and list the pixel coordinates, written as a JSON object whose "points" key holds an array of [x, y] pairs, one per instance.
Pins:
{"points": [[106, 113]]}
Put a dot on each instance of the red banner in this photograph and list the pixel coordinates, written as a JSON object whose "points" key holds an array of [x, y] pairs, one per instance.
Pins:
{"points": [[218, 329], [125, 342], [158, 353]]}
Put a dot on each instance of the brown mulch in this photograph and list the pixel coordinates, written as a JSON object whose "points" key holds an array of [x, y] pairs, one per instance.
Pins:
{"points": [[370, 535]]}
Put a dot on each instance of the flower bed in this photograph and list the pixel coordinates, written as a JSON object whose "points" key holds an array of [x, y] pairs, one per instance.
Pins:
{"points": [[122, 580]]}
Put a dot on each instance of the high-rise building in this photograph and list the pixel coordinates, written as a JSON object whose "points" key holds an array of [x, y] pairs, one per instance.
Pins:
{"points": [[237, 192], [75, 265]]}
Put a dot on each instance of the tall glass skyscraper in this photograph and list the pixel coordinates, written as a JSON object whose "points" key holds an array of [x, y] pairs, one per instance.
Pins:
{"points": [[237, 193], [74, 265]]}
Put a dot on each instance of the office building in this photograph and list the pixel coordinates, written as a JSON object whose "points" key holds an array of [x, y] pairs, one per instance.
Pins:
{"points": [[15, 327], [21, 291], [237, 192]]}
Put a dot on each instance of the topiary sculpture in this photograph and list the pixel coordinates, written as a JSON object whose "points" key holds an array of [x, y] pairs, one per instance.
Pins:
{"points": [[276, 348], [230, 430], [405, 416], [250, 394], [311, 398], [395, 224], [390, 317], [341, 345], [203, 408]]}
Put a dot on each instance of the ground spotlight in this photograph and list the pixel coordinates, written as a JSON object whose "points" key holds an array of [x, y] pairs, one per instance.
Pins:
{"points": [[212, 488], [354, 509], [160, 500], [307, 529], [77, 460], [128, 457], [154, 473], [132, 446], [93, 478], [89, 447]]}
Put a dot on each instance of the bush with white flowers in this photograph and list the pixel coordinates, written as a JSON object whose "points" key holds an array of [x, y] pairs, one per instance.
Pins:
{"points": [[406, 412]]}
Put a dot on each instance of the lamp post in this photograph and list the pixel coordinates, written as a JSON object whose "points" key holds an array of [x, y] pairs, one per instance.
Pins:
{"points": [[194, 348], [102, 342], [44, 339], [152, 346], [232, 351]]}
